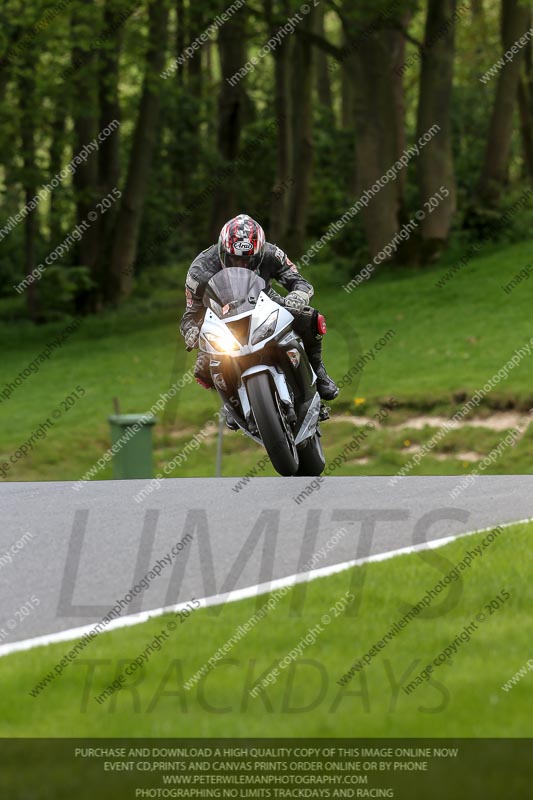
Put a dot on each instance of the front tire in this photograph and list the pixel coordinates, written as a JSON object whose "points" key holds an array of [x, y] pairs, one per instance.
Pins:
{"points": [[273, 428], [311, 457]]}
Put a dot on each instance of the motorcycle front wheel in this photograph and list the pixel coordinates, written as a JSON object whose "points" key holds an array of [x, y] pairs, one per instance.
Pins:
{"points": [[273, 427]]}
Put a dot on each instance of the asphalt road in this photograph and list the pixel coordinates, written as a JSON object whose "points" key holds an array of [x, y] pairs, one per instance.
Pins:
{"points": [[90, 547]]}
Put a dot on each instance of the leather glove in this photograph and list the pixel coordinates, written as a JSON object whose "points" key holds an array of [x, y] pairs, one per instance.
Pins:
{"points": [[191, 337], [297, 300]]}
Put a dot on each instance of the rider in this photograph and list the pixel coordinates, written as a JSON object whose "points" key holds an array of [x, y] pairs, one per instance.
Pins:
{"points": [[242, 244]]}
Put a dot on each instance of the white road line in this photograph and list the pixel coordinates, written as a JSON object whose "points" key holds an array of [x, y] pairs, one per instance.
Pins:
{"points": [[241, 594]]}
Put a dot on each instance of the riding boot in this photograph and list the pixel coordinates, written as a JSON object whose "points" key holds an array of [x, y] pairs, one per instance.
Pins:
{"points": [[325, 386]]}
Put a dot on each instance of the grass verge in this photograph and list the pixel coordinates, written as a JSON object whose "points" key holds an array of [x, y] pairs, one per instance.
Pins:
{"points": [[447, 343], [462, 698]]}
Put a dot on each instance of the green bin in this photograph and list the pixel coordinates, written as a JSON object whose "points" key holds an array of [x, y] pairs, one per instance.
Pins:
{"points": [[132, 435]]}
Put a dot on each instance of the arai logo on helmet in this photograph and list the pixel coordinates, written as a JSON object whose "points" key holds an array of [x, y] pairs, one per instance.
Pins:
{"points": [[241, 248]]}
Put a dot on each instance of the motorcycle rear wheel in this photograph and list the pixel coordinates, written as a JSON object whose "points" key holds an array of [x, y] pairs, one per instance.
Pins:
{"points": [[311, 457]]}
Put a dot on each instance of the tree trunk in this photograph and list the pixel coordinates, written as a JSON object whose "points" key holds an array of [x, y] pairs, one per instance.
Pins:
{"points": [[397, 50], [279, 208], [435, 163], [514, 22], [173, 121], [85, 113], [11, 40], [376, 135], [323, 82], [233, 54], [301, 88], [27, 126], [4, 78], [525, 106], [109, 152], [526, 125], [278, 215], [57, 149], [348, 67], [140, 161], [197, 20], [197, 25]]}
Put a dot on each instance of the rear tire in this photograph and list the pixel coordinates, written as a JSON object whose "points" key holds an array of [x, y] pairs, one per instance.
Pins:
{"points": [[311, 457], [275, 433]]}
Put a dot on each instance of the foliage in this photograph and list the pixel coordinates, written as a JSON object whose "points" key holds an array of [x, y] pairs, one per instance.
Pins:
{"points": [[36, 52]]}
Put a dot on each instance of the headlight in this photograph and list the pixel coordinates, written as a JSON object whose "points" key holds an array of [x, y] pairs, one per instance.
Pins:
{"points": [[267, 328], [224, 343]]}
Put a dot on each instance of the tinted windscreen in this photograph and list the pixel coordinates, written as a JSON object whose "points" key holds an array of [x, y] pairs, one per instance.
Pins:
{"points": [[232, 291]]}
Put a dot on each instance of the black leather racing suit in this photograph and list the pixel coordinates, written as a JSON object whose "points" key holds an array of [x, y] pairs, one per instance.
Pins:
{"points": [[275, 266]]}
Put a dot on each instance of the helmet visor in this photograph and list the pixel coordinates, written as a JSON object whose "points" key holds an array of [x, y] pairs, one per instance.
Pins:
{"points": [[245, 261]]}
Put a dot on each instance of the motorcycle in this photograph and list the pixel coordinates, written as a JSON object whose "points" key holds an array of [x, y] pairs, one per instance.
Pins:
{"points": [[261, 372]]}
